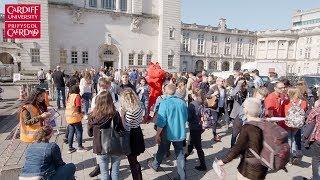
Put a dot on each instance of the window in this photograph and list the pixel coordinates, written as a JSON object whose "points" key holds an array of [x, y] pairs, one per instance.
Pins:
{"points": [[299, 69], [201, 43], [262, 45], [213, 65], [281, 45], [291, 45], [251, 49], [272, 44], [318, 68], [140, 57], [4, 39], [227, 50], [85, 57], [185, 42], [240, 40], [307, 53], [123, 5], [35, 55], [74, 57], [170, 61], [300, 52], [214, 38], [131, 59], [227, 40], [108, 4], [108, 52], [171, 33], [309, 40], [63, 56], [93, 3], [239, 48], [149, 58], [214, 49]]}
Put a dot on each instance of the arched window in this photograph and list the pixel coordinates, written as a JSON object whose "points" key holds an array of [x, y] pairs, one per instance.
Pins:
{"points": [[213, 65], [237, 66], [199, 66], [225, 66]]}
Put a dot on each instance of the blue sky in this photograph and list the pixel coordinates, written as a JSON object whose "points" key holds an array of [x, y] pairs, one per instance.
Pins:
{"points": [[241, 14]]}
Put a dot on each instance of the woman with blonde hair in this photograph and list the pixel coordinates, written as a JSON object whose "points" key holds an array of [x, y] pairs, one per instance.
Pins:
{"points": [[86, 90], [296, 96], [131, 111]]}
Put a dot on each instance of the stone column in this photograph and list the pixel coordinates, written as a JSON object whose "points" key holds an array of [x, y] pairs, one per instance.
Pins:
{"points": [[118, 5]]}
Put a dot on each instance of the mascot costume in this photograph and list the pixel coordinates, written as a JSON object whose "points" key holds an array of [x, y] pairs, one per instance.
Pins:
{"points": [[155, 78]]}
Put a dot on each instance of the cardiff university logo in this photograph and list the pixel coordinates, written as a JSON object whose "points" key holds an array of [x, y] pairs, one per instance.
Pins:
{"points": [[23, 21]]}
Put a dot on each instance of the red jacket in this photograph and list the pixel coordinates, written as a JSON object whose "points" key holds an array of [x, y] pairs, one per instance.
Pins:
{"points": [[274, 105]]}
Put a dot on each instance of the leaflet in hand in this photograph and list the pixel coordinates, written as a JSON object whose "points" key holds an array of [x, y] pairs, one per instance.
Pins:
{"points": [[221, 173]]}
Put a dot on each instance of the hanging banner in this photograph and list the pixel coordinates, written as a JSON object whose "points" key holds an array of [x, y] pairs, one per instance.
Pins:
{"points": [[23, 21]]}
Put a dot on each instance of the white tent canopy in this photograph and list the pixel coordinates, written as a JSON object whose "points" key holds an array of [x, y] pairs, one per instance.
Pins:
{"points": [[249, 66]]}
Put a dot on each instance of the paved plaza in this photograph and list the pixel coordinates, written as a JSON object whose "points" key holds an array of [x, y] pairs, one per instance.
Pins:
{"points": [[12, 156]]}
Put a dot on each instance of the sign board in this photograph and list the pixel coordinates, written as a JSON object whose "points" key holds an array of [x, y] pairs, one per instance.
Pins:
{"points": [[22, 21], [16, 77]]}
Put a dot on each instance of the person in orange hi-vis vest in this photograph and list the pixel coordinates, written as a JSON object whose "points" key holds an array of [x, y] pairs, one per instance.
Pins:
{"points": [[74, 117], [33, 113]]}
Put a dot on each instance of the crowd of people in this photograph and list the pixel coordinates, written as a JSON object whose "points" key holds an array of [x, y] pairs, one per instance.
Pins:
{"points": [[175, 103]]}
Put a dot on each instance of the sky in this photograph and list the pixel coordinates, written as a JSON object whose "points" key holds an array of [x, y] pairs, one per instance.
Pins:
{"points": [[240, 14]]}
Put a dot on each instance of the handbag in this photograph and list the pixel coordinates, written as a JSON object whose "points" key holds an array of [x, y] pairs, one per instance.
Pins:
{"points": [[307, 130], [115, 143]]}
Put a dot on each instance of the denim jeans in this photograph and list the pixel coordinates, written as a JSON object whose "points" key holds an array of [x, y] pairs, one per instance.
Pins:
{"points": [[75, 129], [178, 149], [86, 99], [298, 139], [292, 142], [103, 161], [61, 91], [65, 172]]}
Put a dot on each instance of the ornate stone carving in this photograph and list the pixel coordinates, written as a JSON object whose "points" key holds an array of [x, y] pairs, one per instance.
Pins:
{"points": [[136, 24], [77, 15], [108, 39]]}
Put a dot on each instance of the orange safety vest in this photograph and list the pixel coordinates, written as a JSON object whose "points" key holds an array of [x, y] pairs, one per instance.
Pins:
{"points": [[72, 114], [27, 132]]}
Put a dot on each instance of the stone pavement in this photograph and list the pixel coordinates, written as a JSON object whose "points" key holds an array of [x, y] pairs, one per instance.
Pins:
{"points": [[85, 162]]}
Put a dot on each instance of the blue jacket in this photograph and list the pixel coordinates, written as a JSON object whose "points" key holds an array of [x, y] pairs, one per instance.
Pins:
{"points": [[172, 116], [42, 159]]}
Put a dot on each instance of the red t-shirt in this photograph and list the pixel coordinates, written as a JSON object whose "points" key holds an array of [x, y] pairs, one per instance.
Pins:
{"points": [[77, 101]]}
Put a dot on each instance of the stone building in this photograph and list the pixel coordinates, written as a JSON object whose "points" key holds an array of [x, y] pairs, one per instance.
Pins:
{"points": [[77, 34], [215, 48], [298, 48]]}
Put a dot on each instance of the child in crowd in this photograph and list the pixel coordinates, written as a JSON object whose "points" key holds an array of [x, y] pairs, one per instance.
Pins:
{"points": [[74, 117], [143, 93]]}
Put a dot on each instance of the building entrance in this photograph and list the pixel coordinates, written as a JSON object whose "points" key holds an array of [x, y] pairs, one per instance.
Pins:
{"points": [[108, 64]]}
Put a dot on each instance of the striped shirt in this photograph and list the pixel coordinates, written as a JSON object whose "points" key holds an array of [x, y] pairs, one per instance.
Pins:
{"points": [[134, 118]]}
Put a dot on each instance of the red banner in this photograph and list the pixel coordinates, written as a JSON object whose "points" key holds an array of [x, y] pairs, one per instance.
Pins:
{"points": [[22, 21], [22, 30]]}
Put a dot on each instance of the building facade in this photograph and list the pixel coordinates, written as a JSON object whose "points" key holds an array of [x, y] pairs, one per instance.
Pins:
{"points": [[298, 48], [78, 34], [215, 48]]}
